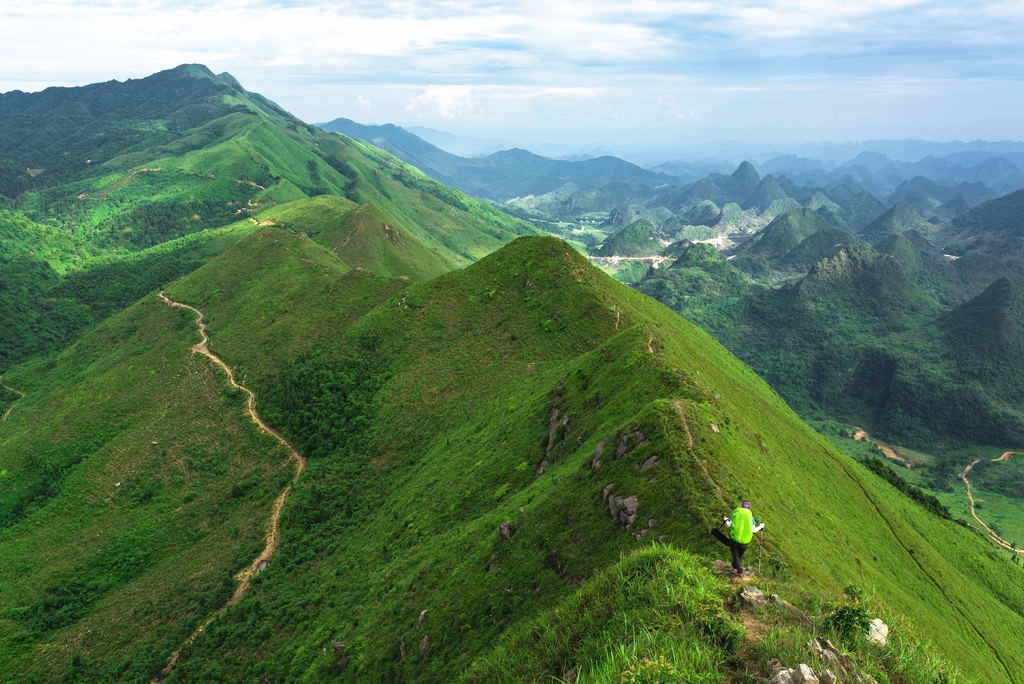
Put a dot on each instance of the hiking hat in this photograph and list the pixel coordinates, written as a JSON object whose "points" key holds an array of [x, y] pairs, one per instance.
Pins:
{"points": [[746, 504]]}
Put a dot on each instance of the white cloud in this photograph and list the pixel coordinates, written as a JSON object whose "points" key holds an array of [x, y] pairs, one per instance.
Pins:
{"points": [[533, 62], [563, 93], [447, 102]]}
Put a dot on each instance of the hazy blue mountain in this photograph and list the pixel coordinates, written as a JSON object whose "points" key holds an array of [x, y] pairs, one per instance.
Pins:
{"points": [[503, 175]]}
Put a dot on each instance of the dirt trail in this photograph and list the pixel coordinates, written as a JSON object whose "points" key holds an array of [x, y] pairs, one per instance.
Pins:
{"points": [[689, 442], [970, 496], [21, 395], [889, 451], [1005, 457], [273, 538]]}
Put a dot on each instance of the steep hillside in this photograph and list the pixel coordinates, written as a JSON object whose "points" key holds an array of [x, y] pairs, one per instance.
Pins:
{"points": [[482, 447], [701, 282], [704, 213], [362, 236], [66, 133], [990, 326], [783, 234], [860, 339], [856, 210]]}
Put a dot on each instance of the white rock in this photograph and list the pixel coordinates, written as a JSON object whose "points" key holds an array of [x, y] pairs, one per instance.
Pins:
{"points": [[784, 677], [878, 632], [803, 674]]}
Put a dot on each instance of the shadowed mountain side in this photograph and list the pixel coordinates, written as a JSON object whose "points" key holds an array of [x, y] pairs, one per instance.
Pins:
{"points": [[990, 326], [812, 249]]}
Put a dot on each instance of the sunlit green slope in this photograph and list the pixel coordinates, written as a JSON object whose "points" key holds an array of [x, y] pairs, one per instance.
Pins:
{"points": [[482, 446]]}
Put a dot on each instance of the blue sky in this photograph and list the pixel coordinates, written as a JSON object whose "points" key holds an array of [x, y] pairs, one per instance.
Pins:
{"points": [[616, 75]]}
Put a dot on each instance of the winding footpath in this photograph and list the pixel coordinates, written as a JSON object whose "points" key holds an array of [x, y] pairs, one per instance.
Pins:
{"points": [[886, 449], [890, 453], [21, 395], [273, 538], [970, 496]]}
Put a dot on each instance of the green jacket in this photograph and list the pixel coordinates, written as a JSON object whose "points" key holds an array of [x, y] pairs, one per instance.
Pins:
{"points": [[742, 526]]}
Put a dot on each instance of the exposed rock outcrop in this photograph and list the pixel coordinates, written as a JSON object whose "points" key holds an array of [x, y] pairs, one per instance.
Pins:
{"points": [[623, 509]]}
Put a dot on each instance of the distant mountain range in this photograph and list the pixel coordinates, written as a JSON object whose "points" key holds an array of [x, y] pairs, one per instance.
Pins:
{"points": [[500, 176], [979, 170]]}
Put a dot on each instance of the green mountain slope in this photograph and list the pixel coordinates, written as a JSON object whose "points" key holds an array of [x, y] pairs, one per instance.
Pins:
{"points": [[856, 210], [522, 447], [362, 236], [901, 218], [992, 229], [637, 239], [860, 339], [783, 234], [481, 445], [701, 282], [704, 213], [990, 326], [180, 153]]}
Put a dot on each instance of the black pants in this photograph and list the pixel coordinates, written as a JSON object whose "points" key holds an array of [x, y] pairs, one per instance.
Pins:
{"points": [[736, 548]]}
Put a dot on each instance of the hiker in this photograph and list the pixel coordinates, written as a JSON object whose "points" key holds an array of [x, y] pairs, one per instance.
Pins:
{"points": [[742, 528]]}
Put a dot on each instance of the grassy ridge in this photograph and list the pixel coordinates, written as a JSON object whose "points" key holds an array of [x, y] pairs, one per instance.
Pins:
{"points": [[422, 510]]}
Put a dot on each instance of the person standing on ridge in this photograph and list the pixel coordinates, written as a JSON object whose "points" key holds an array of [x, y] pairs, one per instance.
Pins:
{"points": [[742, 527]]}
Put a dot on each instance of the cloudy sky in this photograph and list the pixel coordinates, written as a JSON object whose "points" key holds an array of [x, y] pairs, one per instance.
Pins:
{"points": [[595, 72]]}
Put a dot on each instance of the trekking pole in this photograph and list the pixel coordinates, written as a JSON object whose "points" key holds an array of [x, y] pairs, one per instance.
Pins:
{"points": [[760, 542]]}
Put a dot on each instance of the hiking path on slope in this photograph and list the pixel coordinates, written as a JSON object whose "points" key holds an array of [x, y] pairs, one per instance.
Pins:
{"points": [[273, 538]]}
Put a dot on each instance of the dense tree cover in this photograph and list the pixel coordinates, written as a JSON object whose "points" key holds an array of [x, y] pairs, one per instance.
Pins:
{"points": [[926, 501], [638, 239], [326, 400], [859, 338]]}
